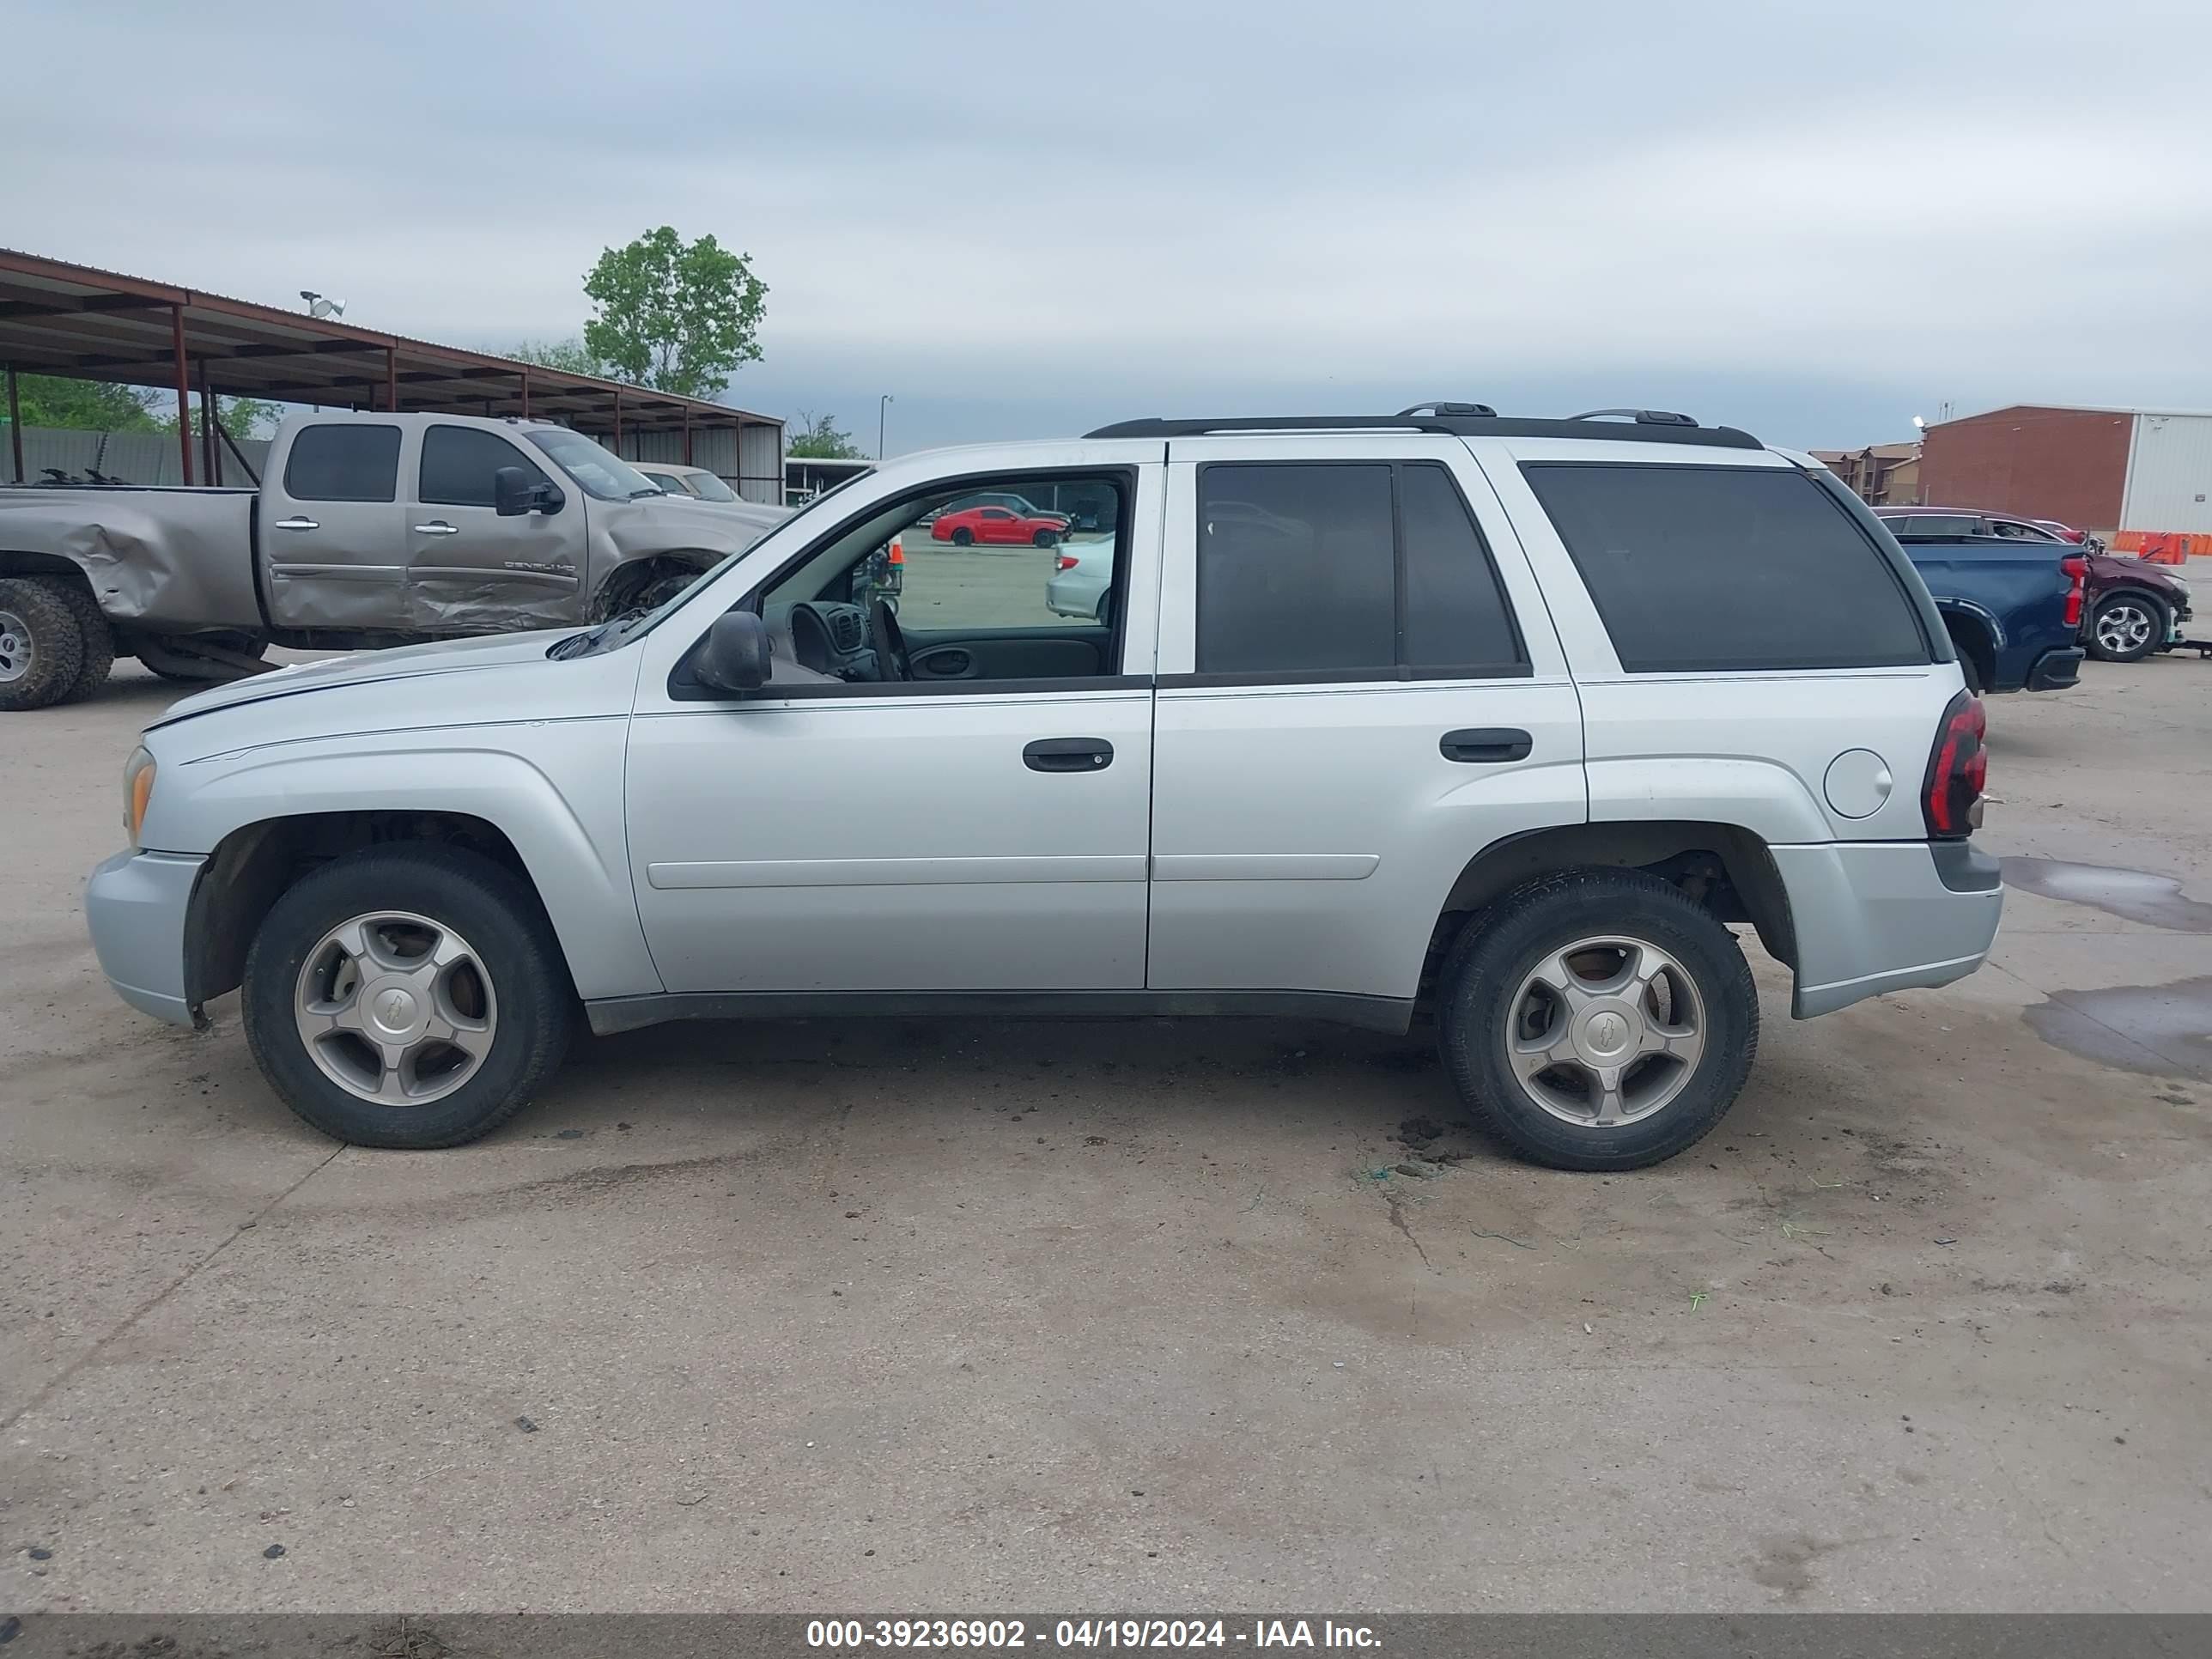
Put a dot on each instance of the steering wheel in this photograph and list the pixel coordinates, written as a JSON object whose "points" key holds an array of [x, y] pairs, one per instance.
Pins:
{"points": [[890, 643]]}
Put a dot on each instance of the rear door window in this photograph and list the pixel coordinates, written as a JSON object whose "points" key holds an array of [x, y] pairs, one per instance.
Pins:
{"points": [[1313, 570], [343, 462], [1699, 569]]}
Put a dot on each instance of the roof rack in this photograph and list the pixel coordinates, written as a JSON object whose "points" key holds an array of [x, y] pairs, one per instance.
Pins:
{"points": [[1651, 426]]}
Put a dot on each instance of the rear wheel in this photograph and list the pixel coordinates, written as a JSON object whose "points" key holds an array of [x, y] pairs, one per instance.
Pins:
{"points": [[2127, 628], [964, 537], [41, 645], [97, 637], [406, 998], [1597, 1020]]}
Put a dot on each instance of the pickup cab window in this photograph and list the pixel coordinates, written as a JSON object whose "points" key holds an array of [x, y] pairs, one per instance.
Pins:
{"points": [[458, 464], [343, 462]]}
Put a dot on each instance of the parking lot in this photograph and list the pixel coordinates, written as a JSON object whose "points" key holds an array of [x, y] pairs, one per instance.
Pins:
{"points": [[978, 1316]]}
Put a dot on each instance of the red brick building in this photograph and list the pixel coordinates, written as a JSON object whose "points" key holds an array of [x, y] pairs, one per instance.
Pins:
{"points": [[2140, 477]]}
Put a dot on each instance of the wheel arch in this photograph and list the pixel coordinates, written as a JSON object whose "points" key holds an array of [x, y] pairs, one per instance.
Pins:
{"points": [[15, 562], [1724, 867], [634, 575], [270, 825], [1975, 632]]}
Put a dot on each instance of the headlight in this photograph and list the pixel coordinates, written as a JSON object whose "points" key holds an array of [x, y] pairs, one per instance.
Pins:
{"points": [[2180, 584], [137, 790]]}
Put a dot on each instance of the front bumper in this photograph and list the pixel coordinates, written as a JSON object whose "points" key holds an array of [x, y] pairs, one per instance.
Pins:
{"points": [[1889, 916], [135, 904], [2055, 670]]}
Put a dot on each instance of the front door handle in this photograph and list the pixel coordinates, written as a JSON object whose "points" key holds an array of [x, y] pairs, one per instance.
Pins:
{"points": [[296, 522], [1493, 744], [437, 527], [1067, 754]]}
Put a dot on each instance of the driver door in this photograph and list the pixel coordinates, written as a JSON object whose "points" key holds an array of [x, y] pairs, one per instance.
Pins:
{"points": [[983, 827]]}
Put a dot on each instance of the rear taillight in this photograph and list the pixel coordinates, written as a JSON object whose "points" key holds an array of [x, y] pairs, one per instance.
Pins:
{"points": [[2077, 571], [1951, 799], [1066, 561]]}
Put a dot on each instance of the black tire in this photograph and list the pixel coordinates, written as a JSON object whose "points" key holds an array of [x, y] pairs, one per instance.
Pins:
{"points": [[505, 924], [1047, 538], [964, 537], [96, 637], [1971, 670], [48, 651], [1499, 948], [2111, 613]]}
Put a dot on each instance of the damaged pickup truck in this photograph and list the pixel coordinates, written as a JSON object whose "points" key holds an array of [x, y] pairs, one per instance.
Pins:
{"points": [[371, 530]]}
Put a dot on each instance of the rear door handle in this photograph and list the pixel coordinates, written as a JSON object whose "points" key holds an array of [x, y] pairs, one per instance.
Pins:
{"points": [[295, 522], [1491, 744], [437, 527], [1067, 754]]}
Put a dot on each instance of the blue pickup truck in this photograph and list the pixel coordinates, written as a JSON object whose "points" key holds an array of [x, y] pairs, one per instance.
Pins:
{"points": [[2012, 602]]}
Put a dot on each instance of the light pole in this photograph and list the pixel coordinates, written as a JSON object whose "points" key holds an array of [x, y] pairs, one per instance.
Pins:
{"points": [[882, 403]]}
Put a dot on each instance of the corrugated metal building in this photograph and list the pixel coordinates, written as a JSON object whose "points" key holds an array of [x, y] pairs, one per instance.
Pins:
{"points": [[2140, 477]]}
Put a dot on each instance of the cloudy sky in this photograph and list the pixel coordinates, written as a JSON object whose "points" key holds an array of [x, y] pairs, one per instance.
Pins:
{"points": [[1813, 220]]}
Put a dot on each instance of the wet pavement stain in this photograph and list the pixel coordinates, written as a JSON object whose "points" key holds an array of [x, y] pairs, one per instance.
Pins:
{"points": [[2159, 1030], [2131, 895]]}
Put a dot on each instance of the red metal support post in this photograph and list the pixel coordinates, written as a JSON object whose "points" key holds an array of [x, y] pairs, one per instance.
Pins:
{"points": [[184, 390], [15, 423], [526, 394], [617, 420], [687, 434], [391, 379], [208, 463]]}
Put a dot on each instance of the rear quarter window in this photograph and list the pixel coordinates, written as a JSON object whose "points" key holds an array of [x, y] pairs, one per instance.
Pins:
{"points": [[1699, 568]]}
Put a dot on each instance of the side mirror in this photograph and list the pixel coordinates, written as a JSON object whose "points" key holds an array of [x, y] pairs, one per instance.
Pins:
{"points": [[513, 493], [735, 658]]}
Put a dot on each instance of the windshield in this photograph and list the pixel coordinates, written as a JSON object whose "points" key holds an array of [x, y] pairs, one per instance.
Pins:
{"points": [[598, 471], [620, 631], [710, 487]]}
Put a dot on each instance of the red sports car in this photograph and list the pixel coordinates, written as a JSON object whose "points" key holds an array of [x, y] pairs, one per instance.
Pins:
{"points": [[997, 526]]}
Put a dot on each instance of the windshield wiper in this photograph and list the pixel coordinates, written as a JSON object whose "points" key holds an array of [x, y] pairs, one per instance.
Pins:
{"points": [[640, 494]]}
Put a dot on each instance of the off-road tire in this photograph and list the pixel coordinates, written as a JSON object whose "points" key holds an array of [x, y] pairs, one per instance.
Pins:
{"points": [[504, 923], [57, 644], [97, 637], [1497, 949]]}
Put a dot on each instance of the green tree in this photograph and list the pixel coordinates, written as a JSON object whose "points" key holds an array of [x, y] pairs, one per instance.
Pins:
{"points": [[819, 439], [82, 405], [242, 417], [570, 355], [675, 318]]}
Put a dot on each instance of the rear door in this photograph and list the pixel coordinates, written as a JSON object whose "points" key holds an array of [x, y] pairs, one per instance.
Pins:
{"points": [[1746, 652], [331, 538], [470, 571], [1359, 690]]}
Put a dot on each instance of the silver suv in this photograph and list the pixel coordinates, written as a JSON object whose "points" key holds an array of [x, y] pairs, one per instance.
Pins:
{"points": [[1500, 724]]}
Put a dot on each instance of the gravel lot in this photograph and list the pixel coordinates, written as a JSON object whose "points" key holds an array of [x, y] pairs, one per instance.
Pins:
{"points": [[970, 1315]]}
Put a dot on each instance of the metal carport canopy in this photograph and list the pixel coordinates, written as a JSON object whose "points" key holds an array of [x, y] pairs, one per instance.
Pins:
{"points": [[91, 324]]}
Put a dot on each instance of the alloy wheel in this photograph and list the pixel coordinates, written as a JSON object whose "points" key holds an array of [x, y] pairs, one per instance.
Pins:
{"points": [[1604, 1031], [396, 1008]]}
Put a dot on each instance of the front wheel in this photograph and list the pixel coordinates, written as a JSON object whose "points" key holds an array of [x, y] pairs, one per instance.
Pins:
{"points": [[1597, 1020], [2127, 628], [412, 997], [1046, 538]]}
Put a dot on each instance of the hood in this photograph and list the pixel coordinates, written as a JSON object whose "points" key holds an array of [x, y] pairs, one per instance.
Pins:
{"points": [[664, 523], [369, 668], [2126, 567]]}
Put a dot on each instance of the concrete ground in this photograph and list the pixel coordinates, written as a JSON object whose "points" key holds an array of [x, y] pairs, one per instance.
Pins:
{"points": [[974, 1317]]}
